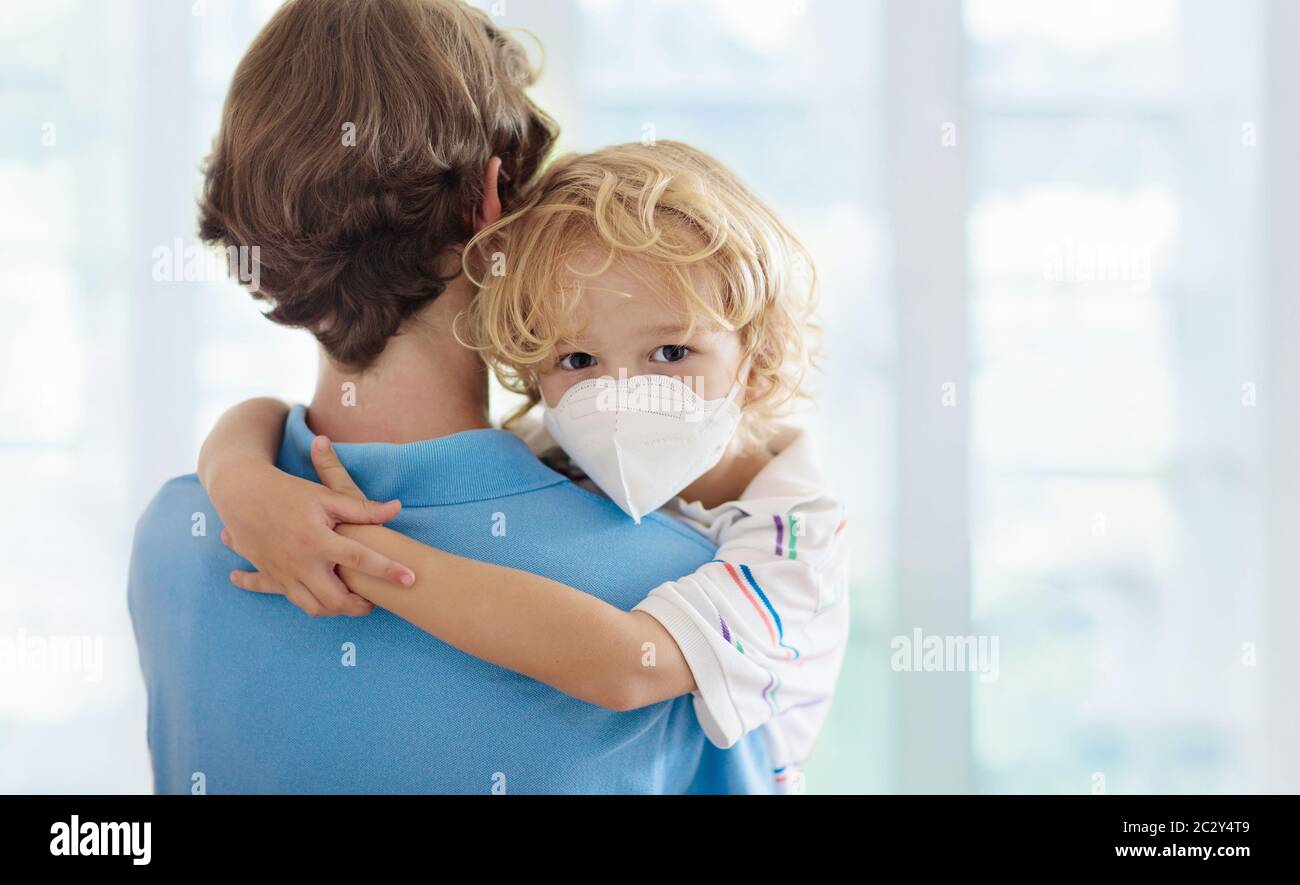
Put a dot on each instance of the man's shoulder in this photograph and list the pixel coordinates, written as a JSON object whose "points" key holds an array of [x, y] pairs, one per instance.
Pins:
{"points": [[178, 526], [568, 503], [186, 484], [180, 498], [567, 534]]}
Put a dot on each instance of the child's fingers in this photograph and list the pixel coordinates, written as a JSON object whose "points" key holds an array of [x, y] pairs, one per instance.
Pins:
{"points": [[350, 504], [359, 607], [359, 511], [353, 606], [330, 469], [358, 557], [254, 582], [226, 539], [300, 596], [334, 596]]}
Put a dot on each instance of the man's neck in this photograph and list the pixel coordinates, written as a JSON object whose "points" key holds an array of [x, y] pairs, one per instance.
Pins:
{"points": [[424, 385]]}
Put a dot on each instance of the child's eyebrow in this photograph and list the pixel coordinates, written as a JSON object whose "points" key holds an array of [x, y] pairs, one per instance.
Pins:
{"points": [[676, 330], [574, 345]]}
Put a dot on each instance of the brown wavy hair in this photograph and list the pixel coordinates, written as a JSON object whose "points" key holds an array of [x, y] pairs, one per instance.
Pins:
{"points": [[352, 150]]}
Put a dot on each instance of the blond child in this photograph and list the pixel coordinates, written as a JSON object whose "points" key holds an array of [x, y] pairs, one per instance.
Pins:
{"points": [[659, 316]]}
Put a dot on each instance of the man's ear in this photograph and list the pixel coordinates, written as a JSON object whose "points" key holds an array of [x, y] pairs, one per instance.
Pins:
{"points": [[490, 210]]}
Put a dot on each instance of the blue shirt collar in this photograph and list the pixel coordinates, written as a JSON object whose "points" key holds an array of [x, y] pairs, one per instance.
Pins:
{"points": [[474, 465]]}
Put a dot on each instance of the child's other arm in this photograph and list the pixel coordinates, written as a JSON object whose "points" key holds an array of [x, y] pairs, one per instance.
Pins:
{"points": [[283, 524], [246, 435], [532, 625], [554, 633]]}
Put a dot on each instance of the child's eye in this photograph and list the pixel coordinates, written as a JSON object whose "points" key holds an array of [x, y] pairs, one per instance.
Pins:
{"points": [[670, 353], [577, 360]]}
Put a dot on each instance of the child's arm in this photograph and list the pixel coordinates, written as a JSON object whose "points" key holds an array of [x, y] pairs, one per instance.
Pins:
{"points": [[282, 524], [570, 640], [532, 625], [765, 625]]}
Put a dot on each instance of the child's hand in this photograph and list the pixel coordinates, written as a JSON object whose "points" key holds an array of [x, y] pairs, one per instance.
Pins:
{"points": [[284, 525]]}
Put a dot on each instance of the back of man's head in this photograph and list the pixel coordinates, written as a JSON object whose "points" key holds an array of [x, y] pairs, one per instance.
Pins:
{"points": [[351, 154]]}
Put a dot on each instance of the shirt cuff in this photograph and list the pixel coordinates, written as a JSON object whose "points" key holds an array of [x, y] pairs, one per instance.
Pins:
{"points": [[713, 708]]}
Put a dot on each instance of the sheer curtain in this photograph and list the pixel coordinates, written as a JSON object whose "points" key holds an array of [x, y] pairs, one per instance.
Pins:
{"points": [[110, 369], [1116, 298]]}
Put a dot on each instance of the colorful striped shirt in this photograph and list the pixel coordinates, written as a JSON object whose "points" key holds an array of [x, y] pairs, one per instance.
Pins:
{"points": [[764, 626]]}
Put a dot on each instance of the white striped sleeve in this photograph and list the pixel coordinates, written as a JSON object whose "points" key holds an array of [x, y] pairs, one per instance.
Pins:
{"points": [[763, 628]]}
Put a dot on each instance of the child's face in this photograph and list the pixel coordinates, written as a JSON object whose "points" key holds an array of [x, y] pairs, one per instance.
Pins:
{"points": [[622, 326]]}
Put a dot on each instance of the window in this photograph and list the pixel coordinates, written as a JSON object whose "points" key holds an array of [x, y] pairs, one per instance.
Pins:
{"points": [[1115, 317]]}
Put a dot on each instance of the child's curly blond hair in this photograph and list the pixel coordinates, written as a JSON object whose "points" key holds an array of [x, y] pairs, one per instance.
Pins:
{"points": [[674, 216]]}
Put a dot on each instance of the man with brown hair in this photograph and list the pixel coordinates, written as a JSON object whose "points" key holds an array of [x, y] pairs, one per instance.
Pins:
{"points": [[362, 142], [353, 150]]}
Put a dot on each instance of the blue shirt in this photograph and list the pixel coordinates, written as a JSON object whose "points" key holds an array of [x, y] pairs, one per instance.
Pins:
{"points": [[249, 694]]}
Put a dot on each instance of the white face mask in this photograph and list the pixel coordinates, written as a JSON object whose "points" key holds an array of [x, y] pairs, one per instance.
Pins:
{"points": [[642, 439]]}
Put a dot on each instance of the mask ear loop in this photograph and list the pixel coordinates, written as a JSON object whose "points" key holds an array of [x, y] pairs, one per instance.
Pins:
{"points": [[742, 379]]}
